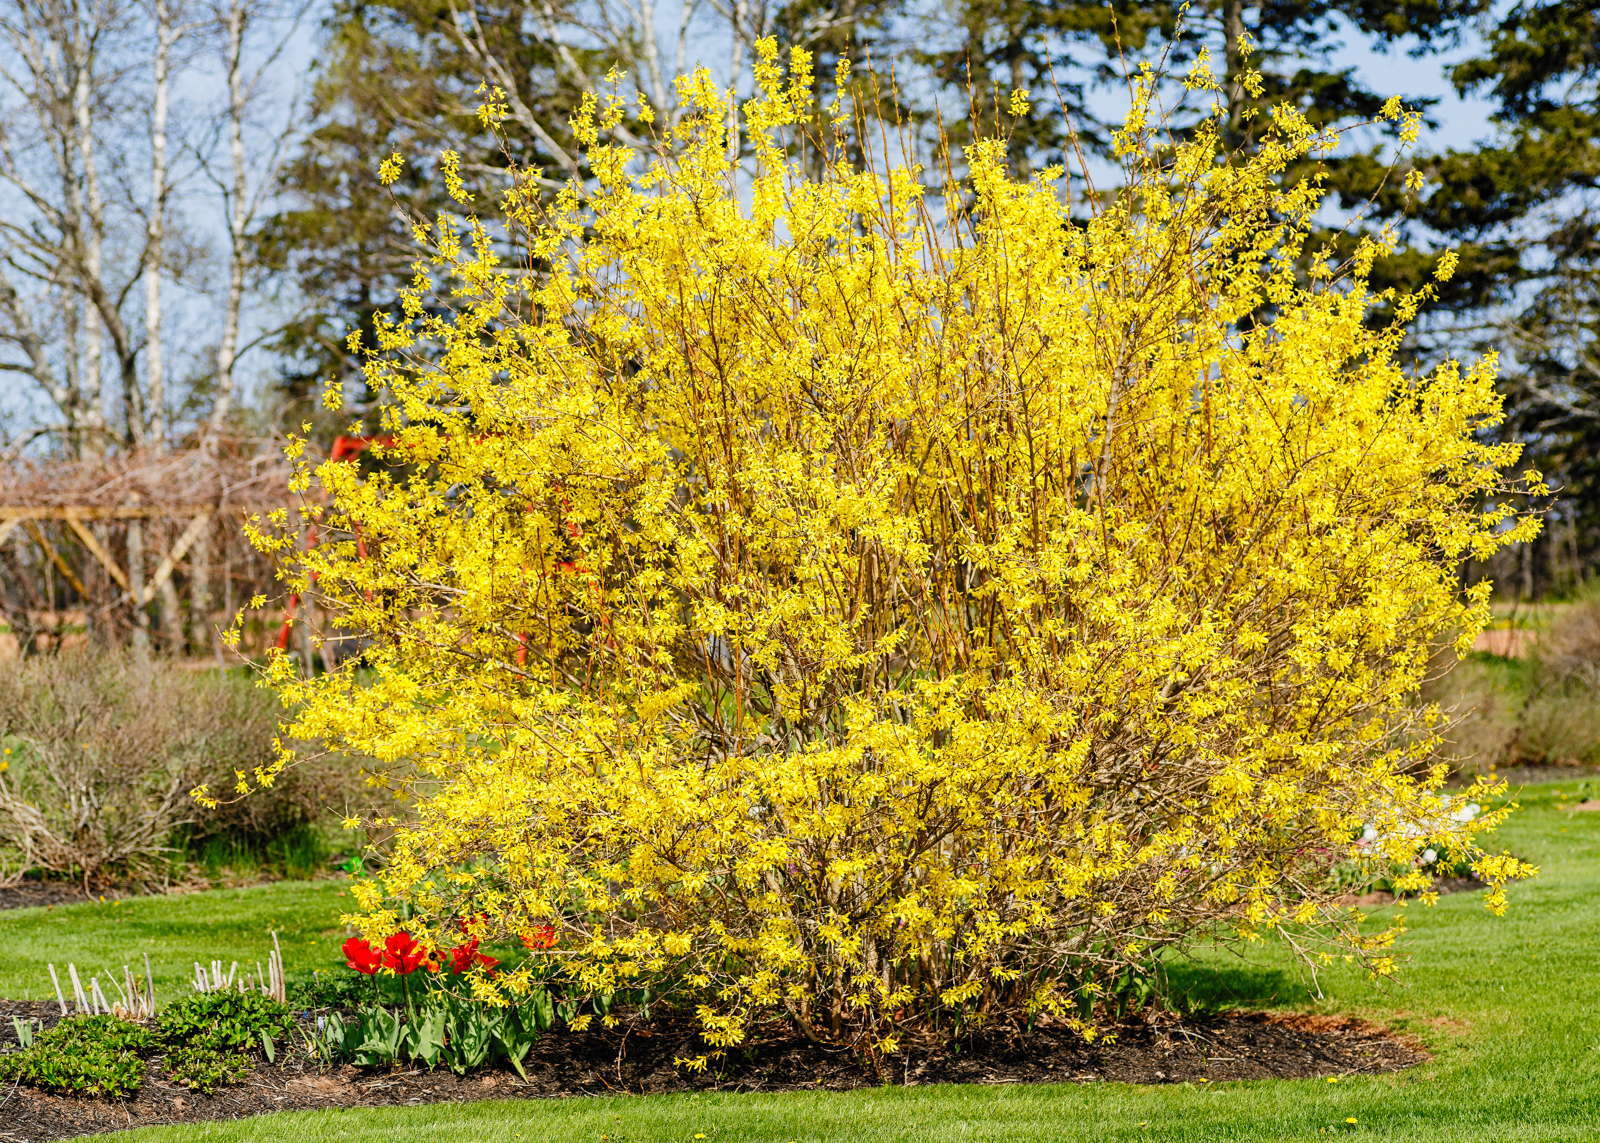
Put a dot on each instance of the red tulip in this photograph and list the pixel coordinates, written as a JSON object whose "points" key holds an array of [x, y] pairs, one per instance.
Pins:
{"points": [[361, 956], [465, 957], [402, 954]]}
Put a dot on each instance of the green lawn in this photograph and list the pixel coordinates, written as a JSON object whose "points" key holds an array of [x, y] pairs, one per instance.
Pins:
{"points": [[176, 931], [1509, 1007]]}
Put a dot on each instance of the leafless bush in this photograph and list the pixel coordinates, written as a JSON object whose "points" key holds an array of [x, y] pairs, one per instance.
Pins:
{"points": [[1569, 653], [101, 753], [1560, 726], [1560, 721], [1481, 717]]}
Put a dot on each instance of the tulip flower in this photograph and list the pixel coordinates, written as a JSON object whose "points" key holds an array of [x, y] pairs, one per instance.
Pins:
{"points": [[361, 956], [465, 957], [402, 954]]}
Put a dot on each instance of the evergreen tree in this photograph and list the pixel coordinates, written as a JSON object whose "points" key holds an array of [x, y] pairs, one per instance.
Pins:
{"points": [[1083, 50], [396, 76], [404, 76], [1525, 210]]}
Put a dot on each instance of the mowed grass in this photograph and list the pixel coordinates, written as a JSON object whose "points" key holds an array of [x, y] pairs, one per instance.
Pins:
{"points": [[1510, 1008], [175, 931]]}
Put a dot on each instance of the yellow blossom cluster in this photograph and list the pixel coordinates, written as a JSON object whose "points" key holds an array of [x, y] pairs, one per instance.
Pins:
{"points": [[818, 596]]}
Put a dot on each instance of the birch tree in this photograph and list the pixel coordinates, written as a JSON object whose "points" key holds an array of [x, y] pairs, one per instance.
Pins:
{"points": [[126, 193], [404, 75]]}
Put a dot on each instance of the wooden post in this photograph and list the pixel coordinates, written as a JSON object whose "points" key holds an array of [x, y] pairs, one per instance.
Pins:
{"points": [[98, 550], [136, 586], [169, 562], [49, 549], [199, 617]]}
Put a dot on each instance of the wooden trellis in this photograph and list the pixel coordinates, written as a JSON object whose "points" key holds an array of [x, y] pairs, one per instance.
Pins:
{"points": [[75, 517], [118, 531]]}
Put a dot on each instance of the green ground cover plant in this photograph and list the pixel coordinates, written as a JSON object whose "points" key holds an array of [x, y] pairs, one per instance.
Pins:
{"points": [[82, 1055], [206, 1040]]}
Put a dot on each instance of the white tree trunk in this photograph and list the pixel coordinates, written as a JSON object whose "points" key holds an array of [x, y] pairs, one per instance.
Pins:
{"points": [[155, 228], [237, 220], [90, 233]]}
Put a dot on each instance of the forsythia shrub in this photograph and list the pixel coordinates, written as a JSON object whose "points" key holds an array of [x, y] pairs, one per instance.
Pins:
{"points": [[816, 600]]}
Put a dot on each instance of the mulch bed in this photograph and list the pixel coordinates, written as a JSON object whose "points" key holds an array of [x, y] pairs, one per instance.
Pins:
{"points": [[1233, 1046], [27, 894], [1443, 886]]}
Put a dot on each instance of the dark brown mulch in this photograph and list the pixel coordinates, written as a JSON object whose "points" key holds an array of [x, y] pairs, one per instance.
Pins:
{"points": [[1235, 1046], [26, 894]]}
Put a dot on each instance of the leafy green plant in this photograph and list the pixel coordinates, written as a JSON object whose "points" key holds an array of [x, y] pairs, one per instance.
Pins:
{"points": [[25, 1030], [224, 1021], [206, 1069], [208, 1039], [336, 990], [210, 1036], [111, 1033], [442, 1030], [82, 1055]]}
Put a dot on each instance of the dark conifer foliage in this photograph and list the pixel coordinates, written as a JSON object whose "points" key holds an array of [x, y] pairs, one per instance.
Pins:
{"points": [[1524, 209]]}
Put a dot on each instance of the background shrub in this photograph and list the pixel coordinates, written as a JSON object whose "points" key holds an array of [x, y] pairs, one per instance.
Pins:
{"points": [[1481, 698], [899, 617], [1559, 723], [101, 752], [1538, 705]]}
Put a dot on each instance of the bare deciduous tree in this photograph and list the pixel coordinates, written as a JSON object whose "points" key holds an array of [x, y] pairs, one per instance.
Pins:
{"points": [[129, 177]]}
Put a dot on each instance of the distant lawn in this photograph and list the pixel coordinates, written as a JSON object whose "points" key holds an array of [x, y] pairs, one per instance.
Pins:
{"points": [[1511, 677], [176, 931], [1525, 615], [1509, 1007]]}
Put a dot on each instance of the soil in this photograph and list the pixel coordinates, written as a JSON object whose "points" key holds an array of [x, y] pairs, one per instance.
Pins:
{"points": [[1159, 1049], [26, 894]]}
